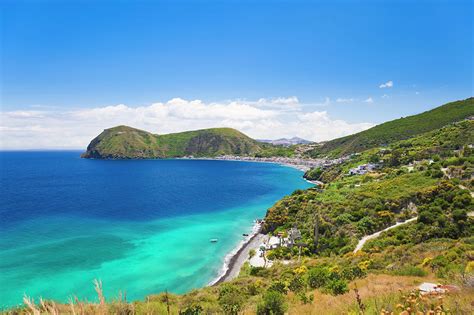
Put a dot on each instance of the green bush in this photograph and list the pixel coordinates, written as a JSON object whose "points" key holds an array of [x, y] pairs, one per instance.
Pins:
{"points": [[297, 284], [273, 303], [318, 277], [258, 271], [336, 287], [279, 286], [231, 299]]}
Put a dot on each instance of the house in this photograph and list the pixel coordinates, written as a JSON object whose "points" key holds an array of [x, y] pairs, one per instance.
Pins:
{"points": [[363, 169]]}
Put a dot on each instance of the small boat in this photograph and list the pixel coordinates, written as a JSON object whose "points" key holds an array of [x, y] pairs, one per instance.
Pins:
{"points": [[245, 234], [213, 240]]}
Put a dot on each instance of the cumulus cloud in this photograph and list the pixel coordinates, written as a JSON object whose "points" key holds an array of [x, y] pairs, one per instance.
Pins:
{"points": [[264, 118], [387, 84], [369, 100], [385, 96]]}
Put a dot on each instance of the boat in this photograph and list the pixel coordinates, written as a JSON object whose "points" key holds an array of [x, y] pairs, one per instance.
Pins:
{"points": [[213, 240], [245, 234]]}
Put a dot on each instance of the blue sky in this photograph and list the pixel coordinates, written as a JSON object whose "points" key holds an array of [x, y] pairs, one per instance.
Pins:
{"points": [[80, 55]]}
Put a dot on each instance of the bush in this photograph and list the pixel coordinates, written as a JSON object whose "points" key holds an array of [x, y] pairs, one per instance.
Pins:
{"points": [[297, 284], [231, 299], [318, 277], [336, 287], [273, 303], [192, 310], [411, 271], [278, 286], [259, 271]]}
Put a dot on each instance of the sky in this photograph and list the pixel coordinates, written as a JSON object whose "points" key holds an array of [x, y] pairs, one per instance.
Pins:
{"points": [[314, 69]]}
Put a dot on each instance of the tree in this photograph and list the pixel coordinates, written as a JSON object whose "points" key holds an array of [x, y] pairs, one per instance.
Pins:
{"points": [[231, 299], [252, 253]]}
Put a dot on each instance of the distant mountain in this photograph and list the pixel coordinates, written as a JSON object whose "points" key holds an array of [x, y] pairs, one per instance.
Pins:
{"points": [[398, 129], [286, 142], [123, 142]]}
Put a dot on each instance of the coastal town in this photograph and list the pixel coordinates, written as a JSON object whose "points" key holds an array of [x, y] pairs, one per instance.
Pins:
{"points": [[300, 163]]}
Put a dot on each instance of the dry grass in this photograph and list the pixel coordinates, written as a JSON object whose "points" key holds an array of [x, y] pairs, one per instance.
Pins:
{"points": [[376, 292]]}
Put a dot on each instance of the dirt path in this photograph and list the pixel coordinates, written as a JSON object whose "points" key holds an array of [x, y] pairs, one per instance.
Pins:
{"points": [[376, 234]]}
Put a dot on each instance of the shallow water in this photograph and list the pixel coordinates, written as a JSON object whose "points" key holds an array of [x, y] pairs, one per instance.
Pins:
{"points": [[140, 226]]}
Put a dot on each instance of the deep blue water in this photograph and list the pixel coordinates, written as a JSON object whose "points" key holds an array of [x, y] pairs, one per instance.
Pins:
{"points": [[140, 226]]}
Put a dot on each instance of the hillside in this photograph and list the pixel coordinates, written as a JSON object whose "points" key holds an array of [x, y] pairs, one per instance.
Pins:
{"points": [[398, 129], [123, 142], [427, 178]]}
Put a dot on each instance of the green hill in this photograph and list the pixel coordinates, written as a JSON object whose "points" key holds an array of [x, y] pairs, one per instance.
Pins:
{"points": [[398, 129], [123, 142]]}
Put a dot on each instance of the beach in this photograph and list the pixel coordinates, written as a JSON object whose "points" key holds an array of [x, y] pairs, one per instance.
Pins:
{"points": [[238, 259]]}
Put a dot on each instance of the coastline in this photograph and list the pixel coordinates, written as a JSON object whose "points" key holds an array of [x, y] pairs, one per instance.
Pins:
{"points": [[298, 163], [236, 259]]}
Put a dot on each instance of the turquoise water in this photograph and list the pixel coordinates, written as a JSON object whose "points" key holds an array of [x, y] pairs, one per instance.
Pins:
{"points": [[141, 227]]}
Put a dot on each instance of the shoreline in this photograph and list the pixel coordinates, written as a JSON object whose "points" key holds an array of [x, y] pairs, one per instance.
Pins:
{"points": [[238, 259], [235, 259], [297, 163]]}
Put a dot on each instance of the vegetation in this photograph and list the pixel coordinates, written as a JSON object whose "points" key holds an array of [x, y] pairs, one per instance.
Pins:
{"points": [[124, 142], [427, 177], [399, 129]]}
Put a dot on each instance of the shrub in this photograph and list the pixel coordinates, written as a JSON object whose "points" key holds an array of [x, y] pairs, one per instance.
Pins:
{"points": [[273, 303], [318, 276], [192, 310], [297, 284], [279, 286], [336, 287], [259, 271], [231, 299], [411, 271]]}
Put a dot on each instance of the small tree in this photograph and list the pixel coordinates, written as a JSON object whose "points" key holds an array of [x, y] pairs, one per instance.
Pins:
{"points": [[252, 253]]}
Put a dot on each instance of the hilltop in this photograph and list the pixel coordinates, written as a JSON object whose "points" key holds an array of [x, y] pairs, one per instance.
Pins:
{"points": [[399, 129], [123, 142]]}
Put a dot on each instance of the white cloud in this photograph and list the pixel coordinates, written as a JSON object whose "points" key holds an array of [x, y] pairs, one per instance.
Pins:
{"points": [[369, 100], [264, 118], [385, 96], [387, 84], [344, 100]]}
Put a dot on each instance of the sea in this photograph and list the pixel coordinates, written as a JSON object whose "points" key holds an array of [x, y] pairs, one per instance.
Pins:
{"points": [[140, 226]]}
